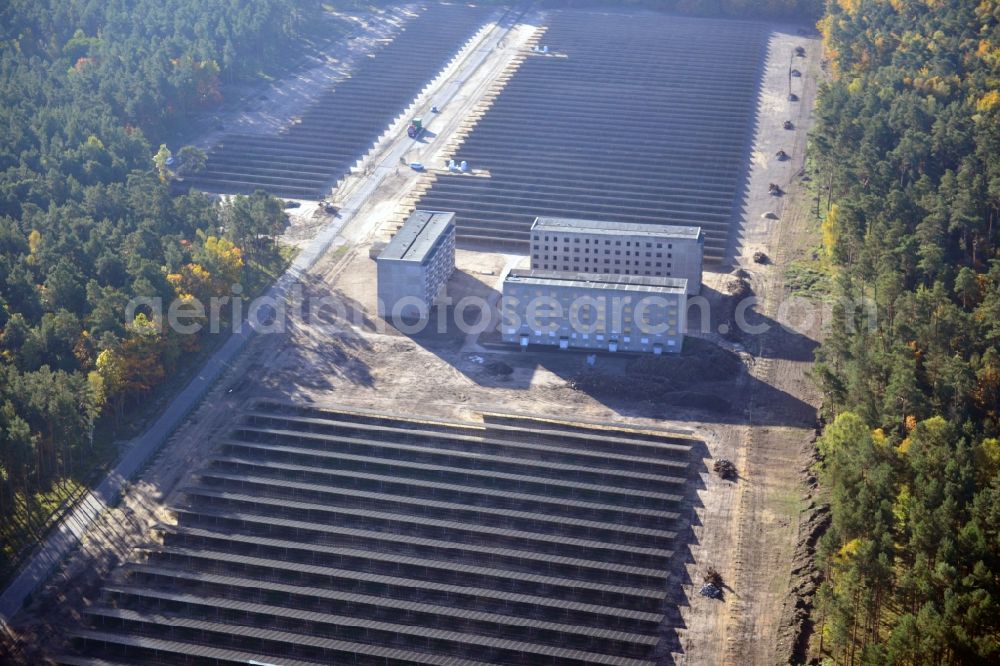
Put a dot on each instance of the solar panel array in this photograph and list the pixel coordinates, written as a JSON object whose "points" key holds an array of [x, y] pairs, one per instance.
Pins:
{"points": [[331, 537], [643, 118], [340, 126]]}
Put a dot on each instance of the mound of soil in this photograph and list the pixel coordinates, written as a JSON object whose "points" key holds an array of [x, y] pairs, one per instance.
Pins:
{"points": [[694, 400], [660, 390], [498, 369], [621, 386], [700, 362]]}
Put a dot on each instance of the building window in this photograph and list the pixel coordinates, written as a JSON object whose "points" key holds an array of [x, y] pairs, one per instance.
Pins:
{"points": [[649, 245], [618, 242], [576, 240], [658, 245], [670, 246], [659, 264], [669, 255]]}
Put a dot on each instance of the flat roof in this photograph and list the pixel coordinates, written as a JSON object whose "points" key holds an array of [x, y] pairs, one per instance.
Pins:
{"points": [[417, 236], [567, 224], [668, 285]]}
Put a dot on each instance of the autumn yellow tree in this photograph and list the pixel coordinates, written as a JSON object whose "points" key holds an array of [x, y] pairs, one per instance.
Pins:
{"points": [[110, 365], [223, 260], [142, 367], [829, 230]]}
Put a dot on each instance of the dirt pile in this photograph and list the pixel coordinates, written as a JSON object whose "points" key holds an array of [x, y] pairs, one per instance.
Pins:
{"points": [[668, 380], [701, 362], [797, 624], [648, 390], [497, 369], [725, 468], [712, 584]]}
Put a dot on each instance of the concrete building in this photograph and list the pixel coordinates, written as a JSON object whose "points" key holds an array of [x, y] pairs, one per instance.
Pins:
{"points": [[618, 248], [594, 311], [416, 264]]}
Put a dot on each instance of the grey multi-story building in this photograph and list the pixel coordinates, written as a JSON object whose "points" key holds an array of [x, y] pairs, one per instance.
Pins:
{"points": [[415, 265], [594, 311], [618, 248]]}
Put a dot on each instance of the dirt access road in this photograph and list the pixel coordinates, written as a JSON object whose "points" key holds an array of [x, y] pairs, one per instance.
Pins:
{"points": [[770, 500]]}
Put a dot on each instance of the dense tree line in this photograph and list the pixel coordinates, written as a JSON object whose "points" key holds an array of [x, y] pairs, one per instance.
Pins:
{"points": [[908, 143], [87, 222]]}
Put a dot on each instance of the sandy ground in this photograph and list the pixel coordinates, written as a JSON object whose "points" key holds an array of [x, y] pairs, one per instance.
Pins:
{"points": [[268, 108], [747, 399], [767, 507]]}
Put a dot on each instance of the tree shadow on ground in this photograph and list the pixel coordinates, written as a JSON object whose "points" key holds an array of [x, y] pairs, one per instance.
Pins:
{"points": [[323, 344]]}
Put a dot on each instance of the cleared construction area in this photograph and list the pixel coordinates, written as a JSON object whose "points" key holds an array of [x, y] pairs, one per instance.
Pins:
{"points": [[340, 126], [638, 117], [320, 536]]}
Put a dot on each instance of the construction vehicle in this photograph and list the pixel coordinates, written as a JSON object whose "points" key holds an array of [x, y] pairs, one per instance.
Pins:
{"points": [[788, 125], [415, 128]]}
